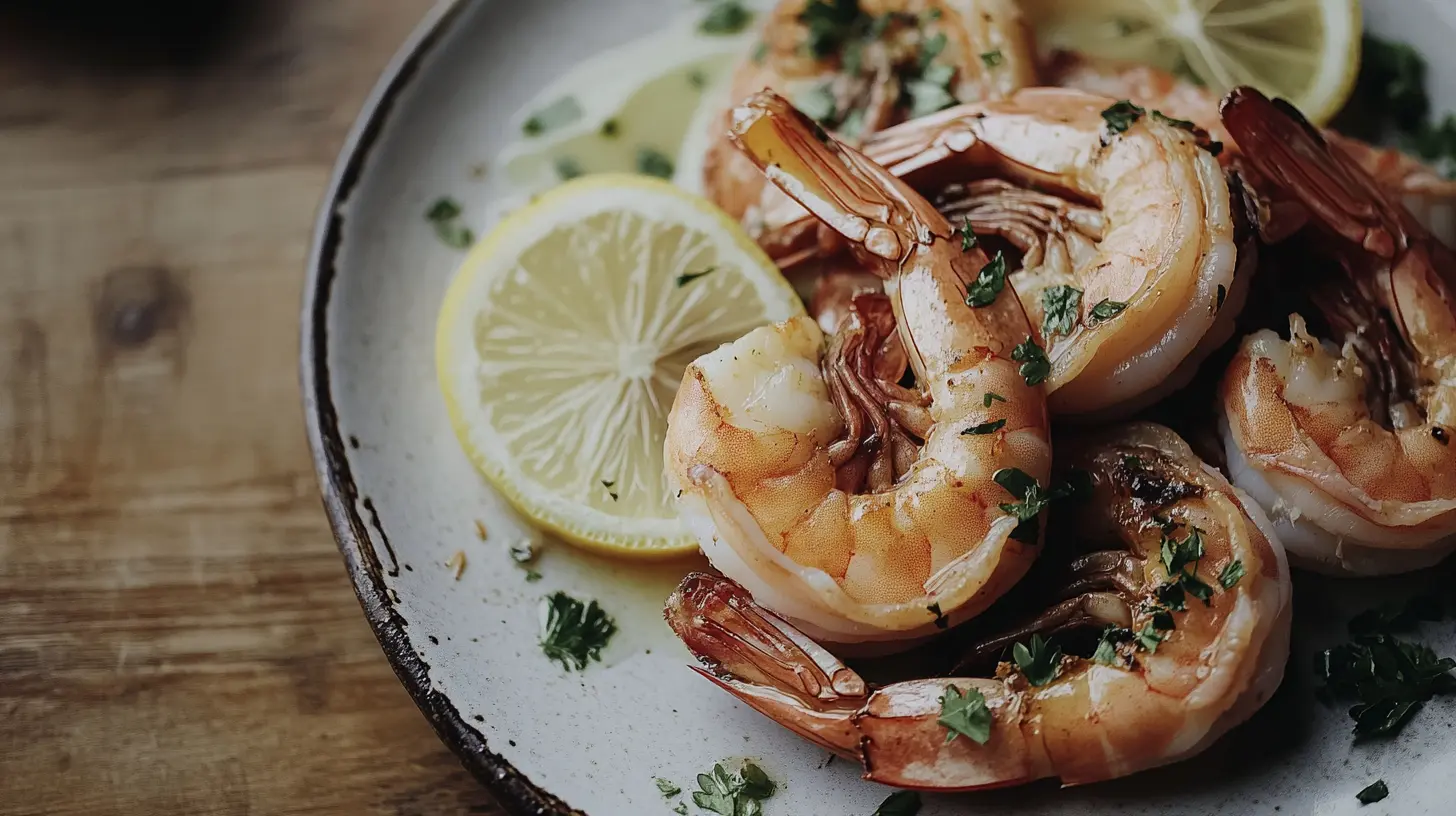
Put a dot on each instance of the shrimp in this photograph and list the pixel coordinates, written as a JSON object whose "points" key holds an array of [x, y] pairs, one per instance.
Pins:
{"points": [[772, 437], [1125, 223], [1191, 595], [1424, 189], [862, 65], [1348, 444]]}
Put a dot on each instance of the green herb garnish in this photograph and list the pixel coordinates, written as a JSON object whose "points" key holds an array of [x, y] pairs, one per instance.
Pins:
{"points": [[1122, 116], [666, 787], [1149, 638], [1061, 307], [1183, 124], [737, 794], [697, 79], [1178, 554], [990, 397], [1040, 662], [964, 714], [653, 162], [899, 803], [726, 17], [992, 59], [610, 129], [830, 24], [1373, 792], [968, 236], [680, 809], [562, 112], [1195, 587], [532, 576], [931, 92], [688, 277], [444, 214], [1106, 652], [817, 103], [984, 428], [1231, 573], [1171, 596], [1389, 678], [1035, 367], [931, 49], [987, 285], [574, 633], [568, 168], [1107, 309], [1019, 483]]}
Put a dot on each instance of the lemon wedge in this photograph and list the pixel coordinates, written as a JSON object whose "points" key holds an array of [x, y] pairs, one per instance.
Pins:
{"points": [[564, 336], [1307, 51]]}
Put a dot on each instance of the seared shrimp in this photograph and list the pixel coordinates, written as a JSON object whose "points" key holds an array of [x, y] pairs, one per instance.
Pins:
{"points": [[1192, 597], [861, 65], [771, 438], [1348, 446], [1426, 191], [1125, 222]]}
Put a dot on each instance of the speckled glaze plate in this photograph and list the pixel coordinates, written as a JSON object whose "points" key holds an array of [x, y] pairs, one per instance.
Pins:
{"points": [[403, 499]]}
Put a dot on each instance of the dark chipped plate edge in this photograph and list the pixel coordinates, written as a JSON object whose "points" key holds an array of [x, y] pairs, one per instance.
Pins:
{"points": [[331, 463]]}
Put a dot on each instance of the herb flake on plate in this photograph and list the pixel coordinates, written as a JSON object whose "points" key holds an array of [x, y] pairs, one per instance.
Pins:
{"points": [[964, 714], [983, 290], [1061, 308], [574, 633], [1035, 367], [899, 803], [726, 17], [653, 162], [1372, 793], [1040, 663], [739, 794], [558, 114], [444, 215]]}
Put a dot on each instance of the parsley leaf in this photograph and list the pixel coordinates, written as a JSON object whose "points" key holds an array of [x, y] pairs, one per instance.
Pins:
{"points": [[568, 168], [1107, 309], [931, 92], [899, 803], [727, 17], [1184, 124], [965, 715], [1061, 307], [817, 103], [1195, 587], [1232, 572], [1389, 677], [737, 794], [444, 214], [1122, 116], [931, 49], [1041, 662], [1391, 618], [1106, 652], [688, 277], [984, 428], [653, 162], [680, 809], [610, 129], [560, 113], [991, 396], [993, 59], [1171, 596], [831, 23], [1178, 554], [1373, 792], [1019, 483], [574, 633], [1035, 367], [666, 787], [1149, 638], [988, 284], [968, 236]]}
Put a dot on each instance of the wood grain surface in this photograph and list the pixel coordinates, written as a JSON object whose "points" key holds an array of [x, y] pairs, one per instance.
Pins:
{"points": [[177, 632]]}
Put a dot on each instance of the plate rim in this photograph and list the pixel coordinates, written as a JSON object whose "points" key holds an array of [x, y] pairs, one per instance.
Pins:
{"points": [[512, 789]]}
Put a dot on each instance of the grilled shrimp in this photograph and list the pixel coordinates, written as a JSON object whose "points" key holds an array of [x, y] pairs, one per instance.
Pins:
{"points": [[1125, 230], [1348, 443], [1426, 191], [773, 438], [861, 65], [1191, 596]]}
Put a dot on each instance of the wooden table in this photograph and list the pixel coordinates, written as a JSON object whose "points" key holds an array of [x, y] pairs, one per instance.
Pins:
{"points": [[177, 633]]}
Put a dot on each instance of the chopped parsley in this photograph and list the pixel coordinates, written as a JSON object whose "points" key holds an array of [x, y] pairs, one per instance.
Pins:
{"points": [[1035, 367], [610, 129], [573, 633], [941, 621], [1061, 307], [991, 396], [1171, 596], [1106, 652], [1373, 792], [560, 113], [1019, 483], [993, 59], [1178, 554], [984, 428], [1232, 572], [831, 24], [899, 803], [1194, 586], [1122, 116], [688, 277], [1389, 678], [931, 92], [1149, 638], [568, 168], [666, 787], [739, 794], [1183, 124], [1040, 662], [987, 285], [653, 162], [931, 49], [1392, 618], [698, 79], [1107, 309], [680, 809], [532, 576], [726, 17], [968, 236], [444, 214], [964, 714], [1390, 103]]}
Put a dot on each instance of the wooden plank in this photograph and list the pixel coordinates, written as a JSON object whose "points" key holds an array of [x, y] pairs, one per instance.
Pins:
{"points": [[179, 635]]}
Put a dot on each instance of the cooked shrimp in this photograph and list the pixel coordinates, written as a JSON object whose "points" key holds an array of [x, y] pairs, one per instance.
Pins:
{"points": [[1139, 238], [1348, 446], [862, 65], [771, 437], [1193, 590], [1426, 192]]}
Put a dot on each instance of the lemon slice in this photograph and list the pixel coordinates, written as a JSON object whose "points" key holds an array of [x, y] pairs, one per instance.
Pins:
{"points": [[1307, 51], [563, 339]]}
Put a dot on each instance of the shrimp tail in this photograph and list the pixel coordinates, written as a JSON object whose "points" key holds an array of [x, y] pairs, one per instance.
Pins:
{"points": [[759, 658]]}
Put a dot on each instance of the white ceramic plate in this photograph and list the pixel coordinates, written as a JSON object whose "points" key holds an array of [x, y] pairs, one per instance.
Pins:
{"points": [[403, 499]]}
